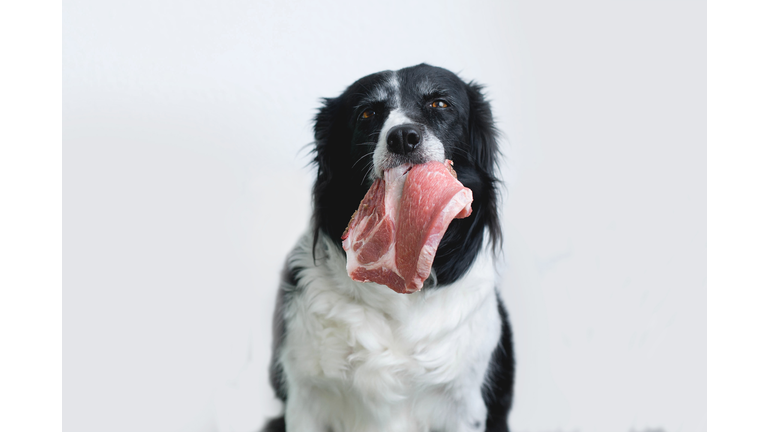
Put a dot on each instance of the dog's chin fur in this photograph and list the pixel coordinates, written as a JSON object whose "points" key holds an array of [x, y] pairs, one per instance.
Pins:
{"points": [[349, 356]]}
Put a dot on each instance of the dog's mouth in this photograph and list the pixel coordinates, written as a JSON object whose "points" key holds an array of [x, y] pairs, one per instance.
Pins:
{"points": [[392, 161]]}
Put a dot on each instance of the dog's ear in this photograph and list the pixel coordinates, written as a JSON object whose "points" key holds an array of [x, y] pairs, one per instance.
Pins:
{"points": [[484, 153], [337, 192], [482, 132], [326, 128]]}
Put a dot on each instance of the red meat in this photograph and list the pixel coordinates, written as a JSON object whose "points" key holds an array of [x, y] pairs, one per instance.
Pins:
{"points": [[393, 236]]}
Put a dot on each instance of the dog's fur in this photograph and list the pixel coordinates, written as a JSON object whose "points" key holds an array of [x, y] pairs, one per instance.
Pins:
{"points": [[349, 356]]}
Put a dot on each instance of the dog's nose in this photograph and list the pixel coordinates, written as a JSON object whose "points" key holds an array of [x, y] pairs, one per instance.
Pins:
{"points": [[403, 139]]}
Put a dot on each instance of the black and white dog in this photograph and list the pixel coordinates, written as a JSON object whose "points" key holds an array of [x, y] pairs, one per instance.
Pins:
{"points": [[350, 356]]}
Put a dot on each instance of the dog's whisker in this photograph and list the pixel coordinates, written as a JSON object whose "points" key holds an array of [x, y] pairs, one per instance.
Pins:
{"points": [[460, 150], [361, 158], [367, 173]]}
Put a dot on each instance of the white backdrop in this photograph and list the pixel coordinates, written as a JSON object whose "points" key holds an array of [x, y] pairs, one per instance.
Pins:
{"points": [[185, 184]]}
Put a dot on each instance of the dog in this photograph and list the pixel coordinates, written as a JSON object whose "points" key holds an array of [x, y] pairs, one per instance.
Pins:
{"points": [[351, 356]]}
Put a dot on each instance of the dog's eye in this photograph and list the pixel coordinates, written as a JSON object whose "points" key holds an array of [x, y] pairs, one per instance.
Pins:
{"points": [[367, 114], [439, 104]]}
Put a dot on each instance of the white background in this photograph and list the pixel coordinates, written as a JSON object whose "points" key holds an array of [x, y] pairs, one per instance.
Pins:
{"points": [[185, 185]]}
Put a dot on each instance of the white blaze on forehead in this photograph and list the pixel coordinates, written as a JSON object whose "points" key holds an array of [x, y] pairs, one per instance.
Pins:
{"points": [[395, 84]]}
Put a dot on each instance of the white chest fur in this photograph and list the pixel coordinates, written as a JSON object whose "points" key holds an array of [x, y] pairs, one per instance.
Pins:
{"points": [[360, 357]]}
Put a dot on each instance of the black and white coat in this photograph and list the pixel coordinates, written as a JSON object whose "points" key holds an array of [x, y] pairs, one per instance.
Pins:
{"points": [[349, 356]]}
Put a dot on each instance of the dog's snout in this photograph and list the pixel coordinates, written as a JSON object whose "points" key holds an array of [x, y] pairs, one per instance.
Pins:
{"points": [[403, 139]]}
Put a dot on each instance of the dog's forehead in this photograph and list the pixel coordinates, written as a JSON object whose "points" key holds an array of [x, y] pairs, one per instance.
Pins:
{"points": [[406, 85], [379, 87], [426, 80]]}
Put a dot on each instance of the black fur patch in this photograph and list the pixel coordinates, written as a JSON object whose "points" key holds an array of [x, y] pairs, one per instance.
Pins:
{"points": [[289, 282], [277, 424], [500, 378]]}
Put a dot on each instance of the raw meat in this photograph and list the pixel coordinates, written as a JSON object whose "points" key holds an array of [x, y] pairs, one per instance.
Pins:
{"points": [[393, 236]]}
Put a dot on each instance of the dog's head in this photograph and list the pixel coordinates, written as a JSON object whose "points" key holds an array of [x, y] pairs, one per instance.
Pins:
{"points": [[413, 115]]}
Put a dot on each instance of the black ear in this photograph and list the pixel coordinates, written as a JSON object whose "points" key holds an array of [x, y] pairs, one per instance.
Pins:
{"points": [[337, 191], [475, 164], [325, 129], [482, 132], [484, 153]]}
